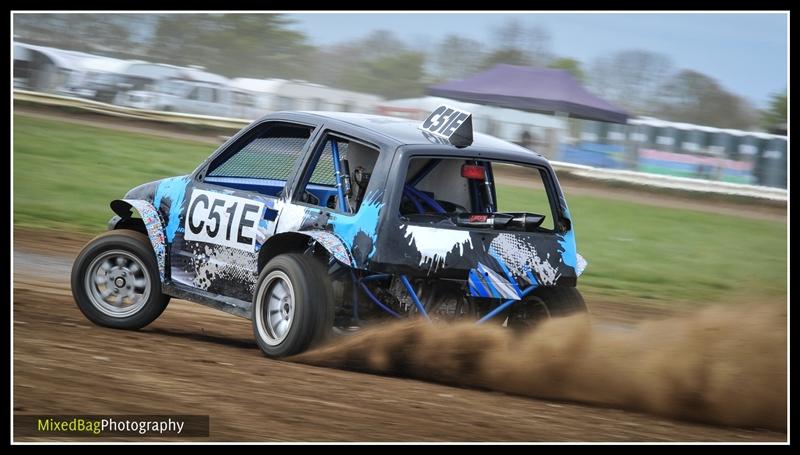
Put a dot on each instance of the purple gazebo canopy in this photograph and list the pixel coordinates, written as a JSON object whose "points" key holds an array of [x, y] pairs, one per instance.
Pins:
{"points": [[543, 90]]}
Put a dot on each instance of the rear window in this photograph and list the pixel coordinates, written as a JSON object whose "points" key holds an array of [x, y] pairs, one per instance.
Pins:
{"points": [[476, 194]]}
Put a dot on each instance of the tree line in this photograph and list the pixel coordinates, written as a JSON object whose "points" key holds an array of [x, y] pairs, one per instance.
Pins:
{"points": [[267, 46]]}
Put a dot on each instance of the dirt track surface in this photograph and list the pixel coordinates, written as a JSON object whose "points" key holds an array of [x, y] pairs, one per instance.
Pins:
{"points": [[194, 360]]}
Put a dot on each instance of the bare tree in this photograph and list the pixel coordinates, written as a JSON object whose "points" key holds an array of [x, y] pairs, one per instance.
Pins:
{"points": [[378, 63], [334, 64], [518, 44], [111, 34], [456, 57], [381, 43], [251, 45], [537, 45], [693, 97], [329, 64], [630, 78], [258, 45]]}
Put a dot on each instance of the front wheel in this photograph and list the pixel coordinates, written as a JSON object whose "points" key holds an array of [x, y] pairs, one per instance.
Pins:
{"points": [[116, 283], [292, 305]]}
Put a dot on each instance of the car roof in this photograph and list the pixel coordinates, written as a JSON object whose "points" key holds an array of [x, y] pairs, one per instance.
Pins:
{"points": [[406, 132]]}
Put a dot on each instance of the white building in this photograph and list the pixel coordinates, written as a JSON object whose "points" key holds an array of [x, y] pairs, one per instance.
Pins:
{"points": [[296, 95], [44, 69]]}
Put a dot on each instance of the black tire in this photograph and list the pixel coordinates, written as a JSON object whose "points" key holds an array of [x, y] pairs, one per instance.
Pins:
{"points": [[561, 301], [545, 303], [308, 318], [139, 264]]}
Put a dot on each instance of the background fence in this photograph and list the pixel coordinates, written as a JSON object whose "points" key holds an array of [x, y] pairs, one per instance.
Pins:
{"points": [[591, 172]]}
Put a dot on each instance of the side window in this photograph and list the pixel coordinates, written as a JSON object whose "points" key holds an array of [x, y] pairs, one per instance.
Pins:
{"points": [[261, 162], [194, 94], [356, 161]]}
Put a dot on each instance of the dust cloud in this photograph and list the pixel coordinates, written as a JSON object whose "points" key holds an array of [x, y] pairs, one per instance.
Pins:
{"points": [[723, 365]]}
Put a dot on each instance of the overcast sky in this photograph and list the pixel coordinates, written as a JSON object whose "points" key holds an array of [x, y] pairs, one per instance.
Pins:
{"points": [[746, 53]]}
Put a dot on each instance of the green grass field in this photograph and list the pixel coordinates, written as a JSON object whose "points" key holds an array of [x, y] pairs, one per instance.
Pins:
{"points": [[659, 254], [65, 175]]}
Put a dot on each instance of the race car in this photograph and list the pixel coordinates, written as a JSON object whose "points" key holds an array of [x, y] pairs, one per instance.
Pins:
{"points": [[316, 223]]}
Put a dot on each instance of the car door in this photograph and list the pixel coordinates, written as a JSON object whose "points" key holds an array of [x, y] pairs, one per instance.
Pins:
{"points": [[232, 207]]}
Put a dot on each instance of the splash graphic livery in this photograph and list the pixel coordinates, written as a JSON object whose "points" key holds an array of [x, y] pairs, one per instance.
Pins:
{"points": [[313, 224]]}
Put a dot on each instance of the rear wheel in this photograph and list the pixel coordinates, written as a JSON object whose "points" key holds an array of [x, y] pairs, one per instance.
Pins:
{"points": [[292, 305], [116, 283], [545, 303]]}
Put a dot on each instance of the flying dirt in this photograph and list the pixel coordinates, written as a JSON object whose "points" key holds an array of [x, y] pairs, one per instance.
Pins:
{"points": [[723, 365]]}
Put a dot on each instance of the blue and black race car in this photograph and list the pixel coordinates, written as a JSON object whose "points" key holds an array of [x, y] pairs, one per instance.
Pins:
{"points": [[312, 223]]}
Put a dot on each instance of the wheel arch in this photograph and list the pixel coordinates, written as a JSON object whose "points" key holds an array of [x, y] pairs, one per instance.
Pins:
{"points": [[149, 223], [288, 242]]}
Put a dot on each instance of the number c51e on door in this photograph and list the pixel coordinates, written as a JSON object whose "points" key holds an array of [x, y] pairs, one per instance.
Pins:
{"points": [[222, 219]]}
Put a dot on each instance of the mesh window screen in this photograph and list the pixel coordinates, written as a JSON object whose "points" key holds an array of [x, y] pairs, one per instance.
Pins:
{"points": [[264, 158], [324, 173]]}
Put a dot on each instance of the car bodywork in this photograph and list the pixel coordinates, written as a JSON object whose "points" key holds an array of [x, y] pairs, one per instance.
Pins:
{"points": [[374, 243]]}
